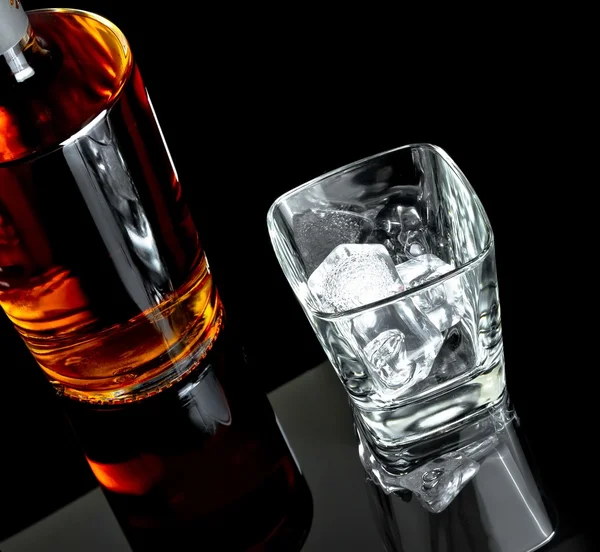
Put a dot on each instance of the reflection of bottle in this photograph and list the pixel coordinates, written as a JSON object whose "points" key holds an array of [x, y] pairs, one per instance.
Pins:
{"points": [[103, 276]]}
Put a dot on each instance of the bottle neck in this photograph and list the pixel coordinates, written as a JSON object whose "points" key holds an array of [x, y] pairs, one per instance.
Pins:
{"points": [[16, 60]]}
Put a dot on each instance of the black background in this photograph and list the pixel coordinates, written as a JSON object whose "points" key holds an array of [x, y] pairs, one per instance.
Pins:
{"points": [[255, 101]]}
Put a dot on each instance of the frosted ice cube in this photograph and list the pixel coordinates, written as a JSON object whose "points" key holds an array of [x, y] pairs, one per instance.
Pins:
{"points": [[319, 231], [399, 344], [443, 303], [354, 275]]}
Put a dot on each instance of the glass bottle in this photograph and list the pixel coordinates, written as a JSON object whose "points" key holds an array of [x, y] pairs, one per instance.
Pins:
{"points": [[104, 278]]}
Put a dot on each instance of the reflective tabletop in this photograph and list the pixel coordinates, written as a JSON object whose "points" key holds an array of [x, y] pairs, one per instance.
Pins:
{"points": [[314, 413]]}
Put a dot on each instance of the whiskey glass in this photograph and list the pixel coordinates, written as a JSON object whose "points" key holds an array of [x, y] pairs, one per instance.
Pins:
{"points": [[392, 260]]}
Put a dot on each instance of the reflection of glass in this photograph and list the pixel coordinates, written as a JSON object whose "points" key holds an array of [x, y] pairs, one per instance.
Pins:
{"points": [[434, 468], [392, 259], [492, 499]]}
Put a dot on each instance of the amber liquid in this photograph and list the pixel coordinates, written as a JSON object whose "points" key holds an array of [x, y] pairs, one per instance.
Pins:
{"points": [[104, 278], [94, 317]]}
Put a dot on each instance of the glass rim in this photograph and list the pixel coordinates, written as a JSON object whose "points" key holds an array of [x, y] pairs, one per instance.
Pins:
{"points": [[406, 293], [354, 164]]}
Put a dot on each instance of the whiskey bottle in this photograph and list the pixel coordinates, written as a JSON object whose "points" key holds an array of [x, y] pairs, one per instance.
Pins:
{"points": [[104, 278]]}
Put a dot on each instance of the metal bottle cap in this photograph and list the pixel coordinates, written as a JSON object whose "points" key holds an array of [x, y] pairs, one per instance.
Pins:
{"points": [[13, 23]]}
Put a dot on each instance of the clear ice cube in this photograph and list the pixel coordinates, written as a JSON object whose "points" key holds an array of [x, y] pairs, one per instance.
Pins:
{"points": [[399, 344], [396, 217], [354, 275], [387, 353], [400, 227], [319, 231], [443, 303], [412, 243], [457, 355]]}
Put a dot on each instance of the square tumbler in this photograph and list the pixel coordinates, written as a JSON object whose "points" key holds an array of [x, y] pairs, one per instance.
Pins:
{"points": [[392, 260]]}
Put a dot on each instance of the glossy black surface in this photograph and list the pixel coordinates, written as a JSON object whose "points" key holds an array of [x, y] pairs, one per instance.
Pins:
{"points": [[321, 435]]}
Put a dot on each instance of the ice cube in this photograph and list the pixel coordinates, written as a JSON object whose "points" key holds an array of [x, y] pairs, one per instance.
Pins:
{"points": [[413, 243], [319, 231], [399, 344], [354, 275], [422, 269], [396, 217], [387, 353], [456, 356], [442, 303], [400, 226]]}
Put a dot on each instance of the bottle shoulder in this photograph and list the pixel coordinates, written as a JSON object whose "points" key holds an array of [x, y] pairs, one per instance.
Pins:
{"points": [[82, 62]]}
